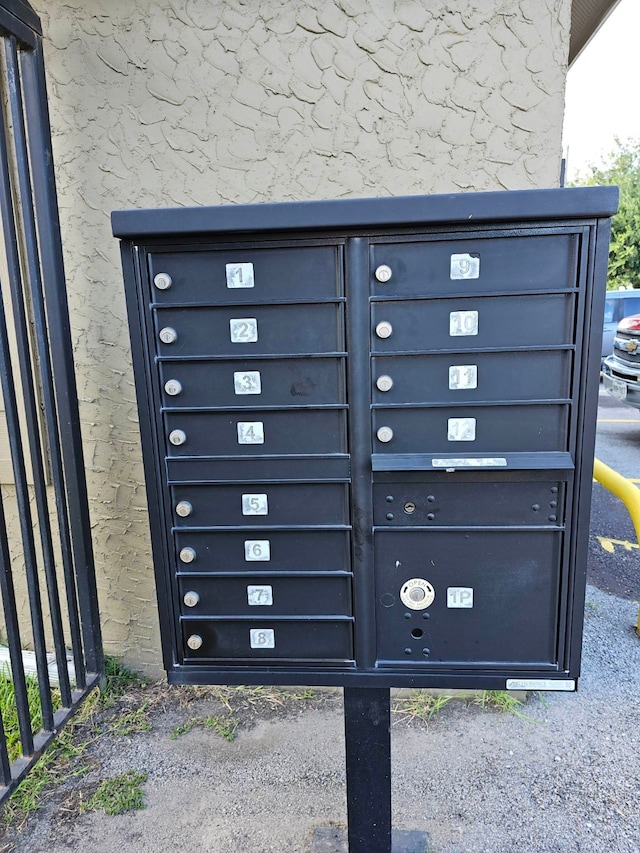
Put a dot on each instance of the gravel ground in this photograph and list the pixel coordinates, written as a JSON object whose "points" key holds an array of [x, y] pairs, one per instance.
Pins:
{"points": [[563, 779]]}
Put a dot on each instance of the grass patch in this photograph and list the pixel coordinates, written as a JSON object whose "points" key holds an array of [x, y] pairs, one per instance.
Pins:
{"points": [[118, 795], [421, 706], [9, 710], [132, 722], [223, 726], [118, 679]]}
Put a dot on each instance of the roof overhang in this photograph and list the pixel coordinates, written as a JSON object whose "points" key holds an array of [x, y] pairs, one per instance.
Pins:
{"points": [[587, 16]]}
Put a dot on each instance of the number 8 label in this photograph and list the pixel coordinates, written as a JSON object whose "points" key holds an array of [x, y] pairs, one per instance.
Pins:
{"points": [[262, 638]]}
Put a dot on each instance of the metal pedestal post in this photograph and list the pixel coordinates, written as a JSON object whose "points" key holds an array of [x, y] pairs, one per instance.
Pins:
{"points": [[367, 725]]}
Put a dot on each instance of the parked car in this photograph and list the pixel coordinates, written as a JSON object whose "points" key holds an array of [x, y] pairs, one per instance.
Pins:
{"points": [[618, 304], [621, 369]]}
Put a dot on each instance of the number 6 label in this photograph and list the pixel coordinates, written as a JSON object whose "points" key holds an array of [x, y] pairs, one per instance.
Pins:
{"points": [[262, 638], [257, 550]]}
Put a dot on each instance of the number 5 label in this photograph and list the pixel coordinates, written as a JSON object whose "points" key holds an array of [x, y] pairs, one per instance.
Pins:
{"points": [[255, 505]]}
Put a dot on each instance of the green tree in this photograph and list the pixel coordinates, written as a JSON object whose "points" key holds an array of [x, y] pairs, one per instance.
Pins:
{"points": [[622, 168]]}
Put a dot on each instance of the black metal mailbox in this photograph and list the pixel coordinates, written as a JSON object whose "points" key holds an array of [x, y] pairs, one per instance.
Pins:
{"points": [[368, 431]]}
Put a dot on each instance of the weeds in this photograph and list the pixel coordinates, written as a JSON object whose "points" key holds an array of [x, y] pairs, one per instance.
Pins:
{"points": [[118, 795], [225, 727], [421, 706]]}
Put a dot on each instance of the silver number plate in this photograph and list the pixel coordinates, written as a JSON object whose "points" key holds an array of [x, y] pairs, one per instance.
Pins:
{"points": [[460, 596], [244, 330], [257, 550], [463, 323], [463, 376], [461, 429], [250, 432], [260, 596], [247, 382], [255, 505], [240, 275], [262, 638], [465, 266]]}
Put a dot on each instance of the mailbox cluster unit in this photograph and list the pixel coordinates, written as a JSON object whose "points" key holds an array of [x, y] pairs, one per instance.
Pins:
{"points": [[368, 430]]}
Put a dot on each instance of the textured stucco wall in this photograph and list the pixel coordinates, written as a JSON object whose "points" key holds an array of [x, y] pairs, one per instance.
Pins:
{"points": [[183, 102]]}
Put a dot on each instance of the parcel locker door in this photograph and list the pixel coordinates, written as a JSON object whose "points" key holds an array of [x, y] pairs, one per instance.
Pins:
{"points": [[468, 598]]}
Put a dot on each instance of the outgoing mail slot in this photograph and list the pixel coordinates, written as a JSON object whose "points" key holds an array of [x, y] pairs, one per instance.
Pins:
{"points": [[259, 639], [254, 382], [454, 431], [299, 431], [266, 595], [457, 378], [262, 550], [476, 265], [257, 504], [469, 499], [247, 275], [495, 598], [474, 322], [241, 330]]}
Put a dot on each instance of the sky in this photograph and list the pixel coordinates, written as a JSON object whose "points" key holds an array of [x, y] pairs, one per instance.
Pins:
{"points": [[602, 97]]}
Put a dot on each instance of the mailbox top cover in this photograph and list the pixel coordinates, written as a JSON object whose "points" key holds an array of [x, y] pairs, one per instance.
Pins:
{"points": [[398, 211]]}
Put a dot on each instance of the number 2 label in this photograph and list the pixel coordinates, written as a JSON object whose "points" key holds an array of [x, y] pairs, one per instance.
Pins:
{"points": [[244, 330]]}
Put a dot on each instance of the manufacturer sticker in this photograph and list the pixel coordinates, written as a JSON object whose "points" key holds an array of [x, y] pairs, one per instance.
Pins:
{"points": [[465, 266], [463, 376], [247, 382], [461, 429], [240, 275], [417, 594], [255, 505], [250, 432], [470, 462], [262, 638], [459, 597], [244, 330], [260, 596], [257, 550], [463, 323], [541, 684]]}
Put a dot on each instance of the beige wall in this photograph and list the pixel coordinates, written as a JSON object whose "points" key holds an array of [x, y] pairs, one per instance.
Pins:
{"points": [[190, 102]]}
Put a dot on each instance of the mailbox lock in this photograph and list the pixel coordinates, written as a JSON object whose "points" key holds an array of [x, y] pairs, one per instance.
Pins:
{"points": [[383, 274], [177, 437], [163, 281], [384, 383], [191, 598], [194, 642], [187, 555], [385, 434], [384, 329], [183, 509], [173, 387], [417, 594], [168, 335], [409, 507]]}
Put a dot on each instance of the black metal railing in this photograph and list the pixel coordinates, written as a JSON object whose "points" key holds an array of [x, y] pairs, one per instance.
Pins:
{"points": [[47, 578]]}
